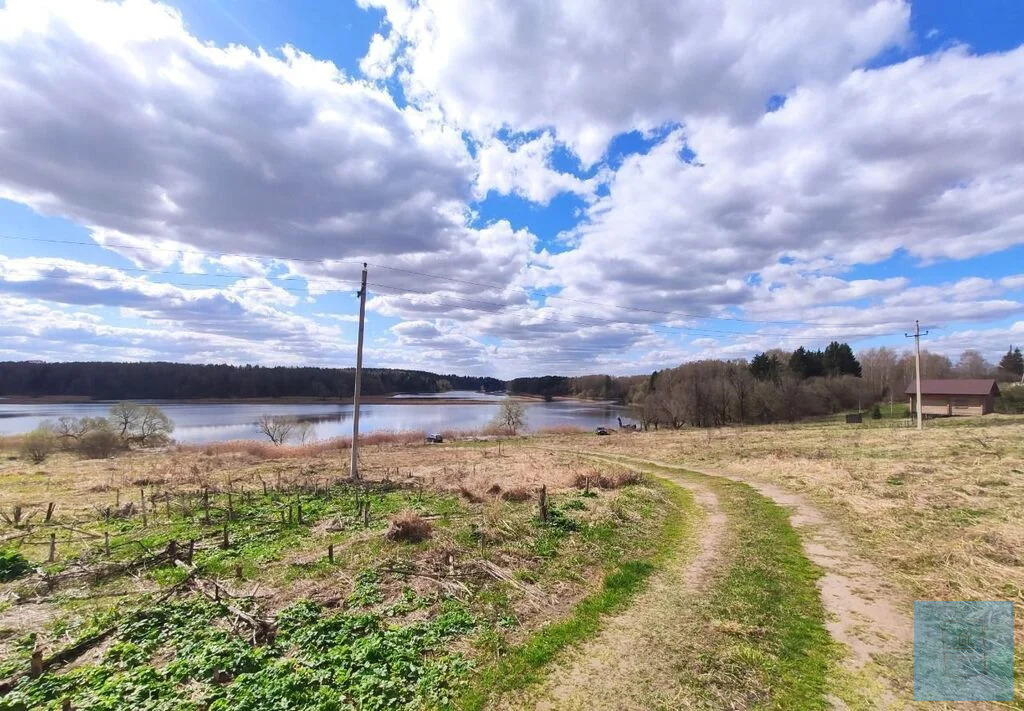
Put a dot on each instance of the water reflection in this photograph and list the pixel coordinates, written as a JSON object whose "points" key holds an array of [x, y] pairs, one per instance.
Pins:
{"points": [[203, 423]]}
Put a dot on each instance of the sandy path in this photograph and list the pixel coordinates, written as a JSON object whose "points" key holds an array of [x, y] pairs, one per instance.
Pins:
{"points": [[862, 611], [631, 663]]}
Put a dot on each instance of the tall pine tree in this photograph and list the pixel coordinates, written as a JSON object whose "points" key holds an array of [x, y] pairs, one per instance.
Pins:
{"points": [[1012, 364]]}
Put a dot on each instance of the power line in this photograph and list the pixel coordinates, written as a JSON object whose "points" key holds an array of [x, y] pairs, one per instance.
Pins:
{"points": [[441, 277], [496, 307], [690, 330]]}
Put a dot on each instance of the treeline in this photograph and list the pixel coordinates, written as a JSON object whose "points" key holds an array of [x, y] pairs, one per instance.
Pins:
{"points": [[774, 386], [594, 387], [184, 381]]}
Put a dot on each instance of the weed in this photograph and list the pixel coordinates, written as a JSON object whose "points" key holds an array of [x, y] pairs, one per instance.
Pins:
{"points": [[409, 527], [12, 565]]}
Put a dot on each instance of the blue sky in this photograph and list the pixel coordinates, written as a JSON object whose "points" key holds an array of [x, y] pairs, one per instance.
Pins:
{"points": [[199, 180]]}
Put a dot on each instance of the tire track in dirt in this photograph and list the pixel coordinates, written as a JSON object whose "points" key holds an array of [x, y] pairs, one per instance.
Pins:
{"points": [[863, 613], [630, 664]]}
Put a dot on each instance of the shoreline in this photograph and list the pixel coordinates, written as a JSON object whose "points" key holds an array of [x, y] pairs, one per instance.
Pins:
{"points": [[287, 400]]}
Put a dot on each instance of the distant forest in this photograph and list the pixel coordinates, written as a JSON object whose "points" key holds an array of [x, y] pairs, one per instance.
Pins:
{"points": [[183, 381]]}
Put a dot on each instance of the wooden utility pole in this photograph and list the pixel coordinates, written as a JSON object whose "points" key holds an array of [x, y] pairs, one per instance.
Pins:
{"points": [[917, 366], [354, 469]]}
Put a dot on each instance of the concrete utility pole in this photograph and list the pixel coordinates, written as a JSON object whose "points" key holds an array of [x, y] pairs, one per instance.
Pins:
{"points": [[354, 469], [917, 365]]}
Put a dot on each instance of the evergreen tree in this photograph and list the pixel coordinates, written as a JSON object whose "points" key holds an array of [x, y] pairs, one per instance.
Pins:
{"points": [[838, 359], [765, 367], [806, 364], [1012, 364]]}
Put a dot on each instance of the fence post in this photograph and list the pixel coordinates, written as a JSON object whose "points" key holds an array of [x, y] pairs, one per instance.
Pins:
{"points": [[142, 504], [49, 511], [543, 504], [106, 543], [36, 663], [206, 505], [225, 543], [366, 514], [53, 548], [172, 550], [330, 553]]}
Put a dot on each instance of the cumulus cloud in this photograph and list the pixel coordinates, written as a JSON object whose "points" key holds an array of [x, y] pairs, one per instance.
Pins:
{"points": [[171, 150], [114, 116], [592, 70], [923, 157], [525, 170]]}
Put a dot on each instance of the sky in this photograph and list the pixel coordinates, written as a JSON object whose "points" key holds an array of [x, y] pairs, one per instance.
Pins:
{"points": [[584, 186]]}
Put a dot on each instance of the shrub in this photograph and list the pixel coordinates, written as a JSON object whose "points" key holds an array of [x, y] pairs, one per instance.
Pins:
{"points": [[39, 444], [876, 412], [409, 527], [99, 444], [12, 565]]}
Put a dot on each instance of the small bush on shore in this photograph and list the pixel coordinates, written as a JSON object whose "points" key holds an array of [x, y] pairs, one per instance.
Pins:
{"points": [[39, 444]]}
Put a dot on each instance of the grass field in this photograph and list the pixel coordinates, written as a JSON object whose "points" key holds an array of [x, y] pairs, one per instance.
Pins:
{"points": [[268, 617], [940, 512], [495, 607]]}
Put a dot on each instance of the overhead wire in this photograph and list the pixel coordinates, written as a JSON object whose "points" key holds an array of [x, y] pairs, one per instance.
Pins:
{"points": [[413, 272]]}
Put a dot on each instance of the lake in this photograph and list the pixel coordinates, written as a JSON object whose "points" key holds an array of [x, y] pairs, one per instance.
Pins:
{"points": [[200, 423]]}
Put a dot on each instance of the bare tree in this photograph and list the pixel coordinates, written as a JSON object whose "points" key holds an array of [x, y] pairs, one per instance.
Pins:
{"points": [[511, 415], [143, 425], [124, 418], [71, 428], [305, 430], [973, 365], [154, 427], [276, 427]]}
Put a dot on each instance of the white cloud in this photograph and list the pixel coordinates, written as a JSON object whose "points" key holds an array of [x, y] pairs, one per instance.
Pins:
{"points": [[525, 170], [595, 69], [115, 117], [923, 156]]}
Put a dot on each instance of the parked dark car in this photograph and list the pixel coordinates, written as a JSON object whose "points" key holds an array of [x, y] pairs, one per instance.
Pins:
{"points": [[435, 438], [602, 431]]}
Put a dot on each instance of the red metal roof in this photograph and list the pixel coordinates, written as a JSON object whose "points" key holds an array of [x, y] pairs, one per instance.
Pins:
{"points": [[983, 386]]}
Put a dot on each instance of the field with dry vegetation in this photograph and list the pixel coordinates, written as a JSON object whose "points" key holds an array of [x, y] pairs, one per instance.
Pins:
{"points": [[239, 577], [747, 567], [938, 513]]}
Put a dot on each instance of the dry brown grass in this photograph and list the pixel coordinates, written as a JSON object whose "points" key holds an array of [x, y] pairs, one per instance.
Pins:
{"points": [[516, 493], [319, 448], [940, 512], [596, 478], [408, 527], [561, 429]]}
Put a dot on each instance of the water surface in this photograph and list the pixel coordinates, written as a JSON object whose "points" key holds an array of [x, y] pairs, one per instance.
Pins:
{"points": [[200, 423]]}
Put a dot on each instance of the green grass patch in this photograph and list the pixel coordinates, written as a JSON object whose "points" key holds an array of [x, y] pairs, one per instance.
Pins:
{"points": [[761, 639], [523, 665]]}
